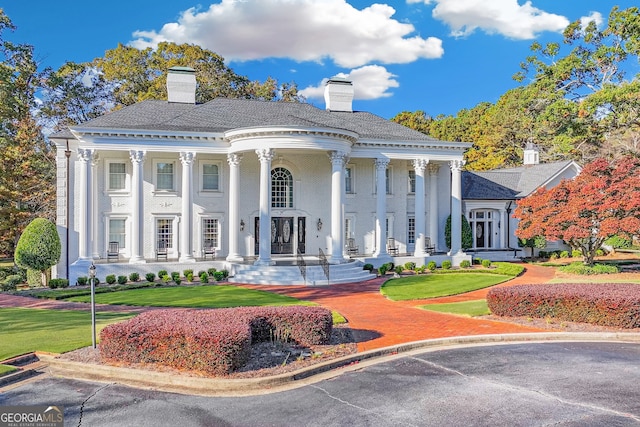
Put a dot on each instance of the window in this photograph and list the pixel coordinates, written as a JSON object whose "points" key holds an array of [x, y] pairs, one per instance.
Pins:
{"points": [[281, 188], [412, 181], [348, 228], [117, 176], [387, 180], [210, 177], [411, 230], [210, 231], [164, 176], [164, 232], [348, 180], [117, 231]]}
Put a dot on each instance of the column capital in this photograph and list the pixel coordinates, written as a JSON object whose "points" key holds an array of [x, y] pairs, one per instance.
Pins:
{"points": [[433, 168], [86, 154], [234, 159], [381, 163], [265, 154], [339, 158], [95, 158], [187, 157], [456, 165], [419, 165], [137, 156]]}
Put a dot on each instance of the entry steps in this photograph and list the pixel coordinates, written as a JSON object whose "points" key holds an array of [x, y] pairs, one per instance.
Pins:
{"points": [[350, 272], [28, 366]]}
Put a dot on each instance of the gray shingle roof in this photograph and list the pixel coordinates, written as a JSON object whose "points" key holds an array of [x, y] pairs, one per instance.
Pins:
{"points": [[222, 114], [509, 183]]}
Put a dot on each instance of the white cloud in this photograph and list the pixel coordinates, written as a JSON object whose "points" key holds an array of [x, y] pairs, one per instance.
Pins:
{"points": [[303, 30], [369, 82], [506, 17], [593, 16]]}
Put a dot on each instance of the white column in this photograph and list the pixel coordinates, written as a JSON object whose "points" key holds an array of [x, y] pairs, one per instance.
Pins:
{"points": [[95, 252], [419, 165], [137, 205], [456, 206], [85, 215], [234, 217], [338, 160], [264, 254], [381, 207], [186, 230], [503, 228], [433, 203]]}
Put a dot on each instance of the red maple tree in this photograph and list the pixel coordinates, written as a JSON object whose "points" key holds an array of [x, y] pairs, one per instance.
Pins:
{"points": [[602, 201]]}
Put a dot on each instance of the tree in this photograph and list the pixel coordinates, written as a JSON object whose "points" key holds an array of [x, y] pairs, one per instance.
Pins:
{"points": [[467, 234], [537, 242], [599, 203], [39, 247], [27, 164]]}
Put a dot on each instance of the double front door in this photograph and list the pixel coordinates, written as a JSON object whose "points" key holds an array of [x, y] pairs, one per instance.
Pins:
{"points": [[283, 235]]}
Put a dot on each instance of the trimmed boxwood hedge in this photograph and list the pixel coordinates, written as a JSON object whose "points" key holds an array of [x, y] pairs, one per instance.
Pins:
{"points": [[607, 304], [213, 341]]}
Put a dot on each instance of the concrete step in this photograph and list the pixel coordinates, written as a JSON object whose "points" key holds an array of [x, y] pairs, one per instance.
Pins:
{"points": [[28, 365], [290, 275]]}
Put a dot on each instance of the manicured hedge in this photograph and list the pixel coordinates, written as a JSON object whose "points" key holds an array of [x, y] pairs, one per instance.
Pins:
{"points": [[607, 304], [214, 341]]}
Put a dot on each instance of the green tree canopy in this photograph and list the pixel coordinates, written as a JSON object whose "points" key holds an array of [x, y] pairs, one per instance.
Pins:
{"points": [[39, 246]]}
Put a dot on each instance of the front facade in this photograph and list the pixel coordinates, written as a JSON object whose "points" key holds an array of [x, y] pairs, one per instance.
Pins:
{"points": [[252, 181]]}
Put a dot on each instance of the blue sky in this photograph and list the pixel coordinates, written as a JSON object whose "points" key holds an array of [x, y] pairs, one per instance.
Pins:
{"points": [[438, 56]]}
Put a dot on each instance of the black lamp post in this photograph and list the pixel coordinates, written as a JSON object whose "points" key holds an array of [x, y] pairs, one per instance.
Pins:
{"points": [[92, 277]]}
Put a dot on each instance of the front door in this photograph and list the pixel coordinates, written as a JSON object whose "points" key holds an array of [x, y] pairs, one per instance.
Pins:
{"points": [[282, 235]]}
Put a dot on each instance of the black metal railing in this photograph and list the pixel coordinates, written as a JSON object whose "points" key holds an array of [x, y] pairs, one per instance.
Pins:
{"points": [[302, 265], [324, 263]]}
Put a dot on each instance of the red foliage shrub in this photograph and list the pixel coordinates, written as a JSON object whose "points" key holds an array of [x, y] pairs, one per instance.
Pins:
{"points": [[215, 341], [607, 304]]}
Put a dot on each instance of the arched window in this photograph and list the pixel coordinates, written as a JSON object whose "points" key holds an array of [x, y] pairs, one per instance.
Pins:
{"points": [[281, 188]]}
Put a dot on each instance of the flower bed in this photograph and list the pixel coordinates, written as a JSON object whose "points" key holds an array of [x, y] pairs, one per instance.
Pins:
{"points": [[216, 341], [607, 304]]}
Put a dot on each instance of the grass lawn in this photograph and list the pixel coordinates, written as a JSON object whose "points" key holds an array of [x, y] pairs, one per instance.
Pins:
{"points": [[23, 330], [466, 308], [215, 296], [438, 285], [6, 369]]}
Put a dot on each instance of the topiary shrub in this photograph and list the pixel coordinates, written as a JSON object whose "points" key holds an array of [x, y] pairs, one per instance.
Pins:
{"points": [[465, 263], [110, 279], [134, 277], [189, 277], [11, 282], [219, 275], [390, 266], [122, 280], [467, 234], [187, 272], [82, 280], [151, 277], [204, 277], [175, 276], [410, 266], [576, 253], [431, 265], [39, 247], [446, 264], [564, 254], [211, 271], [368, 267], [382, 270], [486, 263], [166, 278], [162, 273], [58, 283], [399, 269]]}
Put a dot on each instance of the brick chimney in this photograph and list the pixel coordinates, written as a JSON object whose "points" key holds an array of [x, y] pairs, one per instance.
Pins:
{"points": [[181, 85], [338, 95]]}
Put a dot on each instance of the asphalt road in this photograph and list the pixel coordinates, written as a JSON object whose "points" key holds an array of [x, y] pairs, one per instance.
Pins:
{"points": [[532, 384]]}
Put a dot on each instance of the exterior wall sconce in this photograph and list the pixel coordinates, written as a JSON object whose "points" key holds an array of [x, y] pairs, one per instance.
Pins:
{"points": [[319, 224], [242, 225]]}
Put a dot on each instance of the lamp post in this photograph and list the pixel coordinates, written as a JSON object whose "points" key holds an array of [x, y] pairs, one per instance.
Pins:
{"points": [[92, 277]]}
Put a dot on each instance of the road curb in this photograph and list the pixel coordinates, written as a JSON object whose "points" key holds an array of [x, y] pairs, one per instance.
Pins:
{"points": [[193, 385]]}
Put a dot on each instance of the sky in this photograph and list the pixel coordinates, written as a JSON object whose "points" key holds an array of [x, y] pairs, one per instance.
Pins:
{"points": [[438, 56]]}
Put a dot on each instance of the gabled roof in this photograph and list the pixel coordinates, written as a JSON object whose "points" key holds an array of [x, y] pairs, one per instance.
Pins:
{"points": [[510, 183], [223, 114]]}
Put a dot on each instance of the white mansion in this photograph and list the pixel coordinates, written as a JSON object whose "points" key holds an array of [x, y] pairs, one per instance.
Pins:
{"points": [[247, 182]]}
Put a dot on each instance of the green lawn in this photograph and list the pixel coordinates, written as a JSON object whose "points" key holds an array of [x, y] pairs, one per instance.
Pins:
{"points": [[438, 285], [217, 296], [23, 330], [466, 308], [6, 369]]}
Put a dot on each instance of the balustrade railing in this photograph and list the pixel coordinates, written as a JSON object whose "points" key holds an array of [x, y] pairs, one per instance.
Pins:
{"points": [[302, 265], [324, 263]]}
